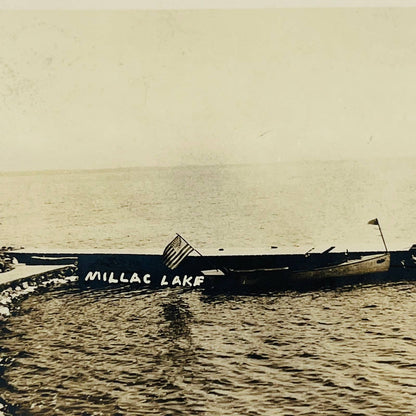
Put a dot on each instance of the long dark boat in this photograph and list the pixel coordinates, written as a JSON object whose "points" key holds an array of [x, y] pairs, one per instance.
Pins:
{"points": [[180, 264], [260, 277]]}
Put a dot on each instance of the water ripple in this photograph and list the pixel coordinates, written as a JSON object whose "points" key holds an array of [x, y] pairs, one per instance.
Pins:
{"points": [[116, 352]]}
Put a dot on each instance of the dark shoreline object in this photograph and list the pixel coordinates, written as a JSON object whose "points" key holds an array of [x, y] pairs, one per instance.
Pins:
{"points": [[6, 261], [127, 264]]}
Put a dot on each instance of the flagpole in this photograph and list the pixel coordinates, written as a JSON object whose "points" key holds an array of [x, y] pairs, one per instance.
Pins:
{"points": [[375, 221], [208, 260], [190, 245], [382, 236]]}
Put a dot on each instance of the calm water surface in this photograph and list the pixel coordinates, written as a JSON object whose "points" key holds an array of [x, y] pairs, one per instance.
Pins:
{"points": [[345, 351]]}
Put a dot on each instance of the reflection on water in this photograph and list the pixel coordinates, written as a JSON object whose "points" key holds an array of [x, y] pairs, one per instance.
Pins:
{"points": [[175, 357], [114, 352]]}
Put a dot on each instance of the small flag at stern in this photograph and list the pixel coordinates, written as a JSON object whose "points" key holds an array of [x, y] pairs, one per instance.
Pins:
{"points": [[373, 222], [175, 252]]}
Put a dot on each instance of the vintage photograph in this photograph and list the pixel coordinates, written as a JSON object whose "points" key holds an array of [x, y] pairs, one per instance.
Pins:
{"points": [[207, 208]]}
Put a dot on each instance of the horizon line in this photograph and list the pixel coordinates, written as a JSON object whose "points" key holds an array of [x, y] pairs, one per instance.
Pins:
{"points": [[193, 165]]}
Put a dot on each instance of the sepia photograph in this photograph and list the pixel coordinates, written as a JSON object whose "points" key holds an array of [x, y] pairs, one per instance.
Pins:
{"points": [[207, 208]]}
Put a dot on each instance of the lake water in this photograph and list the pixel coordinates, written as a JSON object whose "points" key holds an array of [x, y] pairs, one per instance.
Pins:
{"points": [[347, 351]]}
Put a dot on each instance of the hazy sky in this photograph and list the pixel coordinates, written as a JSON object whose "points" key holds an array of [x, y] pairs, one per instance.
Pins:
{"points": [[105, 88]]}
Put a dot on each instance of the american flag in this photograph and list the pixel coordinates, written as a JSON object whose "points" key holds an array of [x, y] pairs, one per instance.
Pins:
{"points": [[175, 252]]}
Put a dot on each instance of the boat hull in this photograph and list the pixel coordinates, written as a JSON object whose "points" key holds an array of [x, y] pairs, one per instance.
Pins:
{"points": [[358, 267], [276, 269], [284, 276]]}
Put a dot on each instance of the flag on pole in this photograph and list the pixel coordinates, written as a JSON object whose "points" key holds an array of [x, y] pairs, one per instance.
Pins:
{"points": [[175, 252], [375, 222]]}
